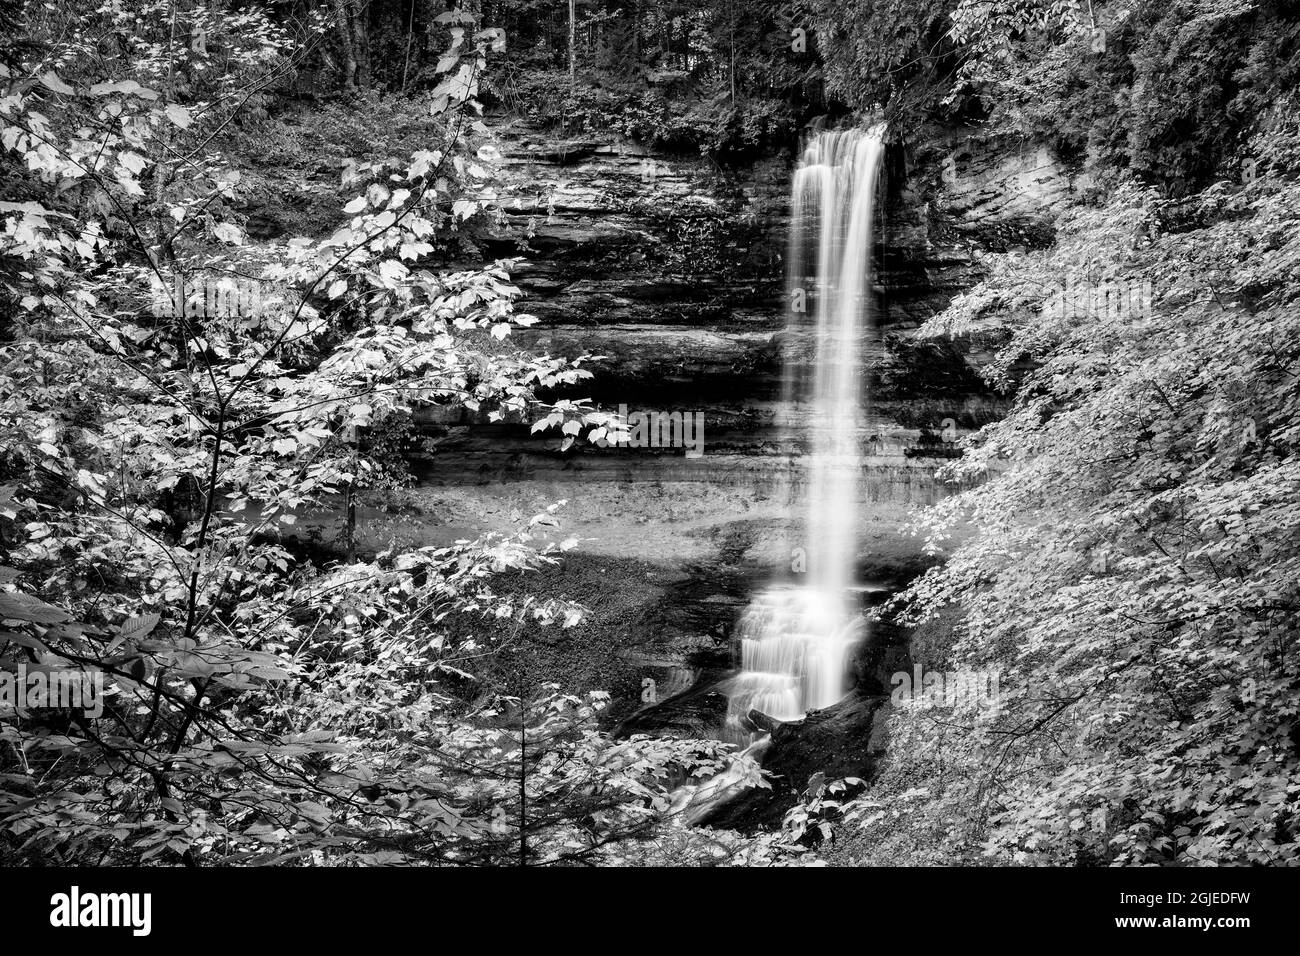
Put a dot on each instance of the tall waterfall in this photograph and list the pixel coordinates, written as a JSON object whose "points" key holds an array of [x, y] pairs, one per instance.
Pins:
{"points": [[796, 641]]}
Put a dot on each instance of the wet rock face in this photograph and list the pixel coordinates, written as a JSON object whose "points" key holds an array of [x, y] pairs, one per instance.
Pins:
{"points": [[674, 268], [991, 184], [955, 188], [661, 263], [674, 271]]}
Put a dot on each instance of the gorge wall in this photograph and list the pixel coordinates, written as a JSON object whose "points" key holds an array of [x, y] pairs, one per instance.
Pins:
{"points": [[673, 270]]}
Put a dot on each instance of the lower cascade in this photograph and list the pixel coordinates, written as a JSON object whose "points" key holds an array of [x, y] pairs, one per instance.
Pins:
{"points": [[796, 641]]}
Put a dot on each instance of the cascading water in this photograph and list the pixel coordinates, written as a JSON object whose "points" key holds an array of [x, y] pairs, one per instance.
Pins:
{"points": [[796, 641]]}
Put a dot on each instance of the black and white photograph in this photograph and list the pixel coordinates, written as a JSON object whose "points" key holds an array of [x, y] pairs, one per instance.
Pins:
{"points": [[505, 435]]}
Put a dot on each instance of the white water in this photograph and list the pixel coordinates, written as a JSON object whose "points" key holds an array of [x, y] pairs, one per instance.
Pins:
{"points": [[796, 641]]}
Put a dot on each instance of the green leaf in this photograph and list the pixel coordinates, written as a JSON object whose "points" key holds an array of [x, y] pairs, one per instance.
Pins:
{"points": [[23, 607], [52, 82], [137, 628]]}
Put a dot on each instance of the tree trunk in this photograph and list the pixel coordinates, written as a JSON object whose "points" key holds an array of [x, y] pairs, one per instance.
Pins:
{"points": [[732, 50], [762, 721], [345, 39], [350, 531], [573, 34], [361, 41], [410, 37]]}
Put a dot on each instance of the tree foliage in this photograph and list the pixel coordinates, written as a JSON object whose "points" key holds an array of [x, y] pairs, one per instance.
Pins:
{"points": [[157, 441], [1133, 577]]}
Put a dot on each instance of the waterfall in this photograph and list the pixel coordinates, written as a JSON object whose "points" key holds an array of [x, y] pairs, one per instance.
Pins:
{"points": [[796, 641]]}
